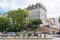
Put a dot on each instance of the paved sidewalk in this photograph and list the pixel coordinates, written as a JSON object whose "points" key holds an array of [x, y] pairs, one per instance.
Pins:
{"points": [[56, 38]]}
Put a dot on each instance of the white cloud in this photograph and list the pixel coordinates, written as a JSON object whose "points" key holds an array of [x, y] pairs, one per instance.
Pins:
{"points": [[53, 7]]}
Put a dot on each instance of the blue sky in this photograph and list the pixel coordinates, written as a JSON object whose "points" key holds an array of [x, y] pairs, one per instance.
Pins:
{"points": [[53, 6]]}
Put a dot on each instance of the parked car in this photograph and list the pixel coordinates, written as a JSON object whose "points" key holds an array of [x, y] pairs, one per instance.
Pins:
{"points": [[9, 33]]}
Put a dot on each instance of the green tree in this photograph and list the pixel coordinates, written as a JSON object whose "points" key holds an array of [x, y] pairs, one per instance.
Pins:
{"points": [[4, 24], [34, 24], [14, 28], [12, 14], [59, 20], [18, 16]]}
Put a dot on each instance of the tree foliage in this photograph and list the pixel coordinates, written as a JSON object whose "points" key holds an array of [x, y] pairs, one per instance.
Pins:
{"points": [[18, 15], [59, 19], [4, 24], [14, 28], [33, 24], [36, 22]]}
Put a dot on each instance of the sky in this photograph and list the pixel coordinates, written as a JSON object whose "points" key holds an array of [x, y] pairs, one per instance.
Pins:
{"points": [[52, 6]]}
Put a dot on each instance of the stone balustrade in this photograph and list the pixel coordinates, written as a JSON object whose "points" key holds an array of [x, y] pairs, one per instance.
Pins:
{"points": [[26, 38]]}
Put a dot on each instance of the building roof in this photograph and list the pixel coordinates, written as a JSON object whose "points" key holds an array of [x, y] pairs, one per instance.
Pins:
{"points": [[37, 5]]}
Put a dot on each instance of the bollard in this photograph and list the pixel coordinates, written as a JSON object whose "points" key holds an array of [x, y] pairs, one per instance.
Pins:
{"points": [[44, 35]]}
